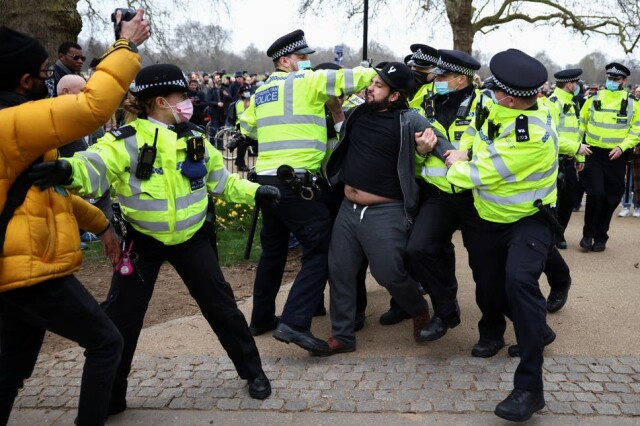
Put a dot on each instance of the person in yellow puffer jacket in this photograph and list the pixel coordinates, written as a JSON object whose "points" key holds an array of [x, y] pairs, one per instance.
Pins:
{"points": [[41, 249]]}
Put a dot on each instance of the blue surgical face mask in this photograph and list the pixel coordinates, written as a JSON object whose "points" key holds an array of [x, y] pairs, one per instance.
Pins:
{"points": [[577, 91], [612, 85], [442, 87], [303, 65]]}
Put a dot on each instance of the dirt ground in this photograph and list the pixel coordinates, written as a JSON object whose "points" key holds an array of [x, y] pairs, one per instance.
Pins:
{"points": [[171, 298]]}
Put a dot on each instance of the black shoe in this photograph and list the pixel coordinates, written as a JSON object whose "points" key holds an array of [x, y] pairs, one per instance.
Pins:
{"points": [[598, 246], [514, 350], [586, 243], [320, 311], [258, 330], [486, 348], [359, 324], [520, 405], [304, 339], [243, 169], [437, 328], [259, 388], [393, 316], [557, 299], [562, 245], [116, 407]]}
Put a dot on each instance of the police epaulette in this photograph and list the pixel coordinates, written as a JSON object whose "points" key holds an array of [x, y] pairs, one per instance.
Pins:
{"points": [[123, 132]]}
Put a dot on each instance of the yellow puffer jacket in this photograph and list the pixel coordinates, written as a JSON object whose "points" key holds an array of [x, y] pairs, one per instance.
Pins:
{"points": [[42, 239]]}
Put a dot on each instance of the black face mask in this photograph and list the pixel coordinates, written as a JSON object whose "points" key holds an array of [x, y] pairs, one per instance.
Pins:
{"points": [[420, 79], [39, 90]]}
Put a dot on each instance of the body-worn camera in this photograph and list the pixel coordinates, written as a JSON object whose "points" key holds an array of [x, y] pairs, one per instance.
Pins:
{"points": [[127, 15]]}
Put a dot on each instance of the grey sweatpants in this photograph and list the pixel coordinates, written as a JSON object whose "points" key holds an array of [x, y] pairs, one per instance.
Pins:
{"points": [[379, 233]]}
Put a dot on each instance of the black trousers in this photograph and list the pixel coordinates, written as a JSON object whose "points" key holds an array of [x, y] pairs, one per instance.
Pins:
{"points": [[512, 261], [310, 223], [62, 306], [431, 256], [196, 263], [603, 181], [566, 197]]}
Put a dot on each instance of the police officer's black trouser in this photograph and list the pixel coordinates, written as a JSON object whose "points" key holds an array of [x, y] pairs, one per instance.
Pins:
{"points": [[332, 197], [557, 270], [566, 193], [431, 256], [310, 223], [195, 262], [512, 261], [62, 306], [603, 180]]}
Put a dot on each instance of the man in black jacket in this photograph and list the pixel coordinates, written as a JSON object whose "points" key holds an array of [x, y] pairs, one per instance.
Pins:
{"points": [[375, 159]]}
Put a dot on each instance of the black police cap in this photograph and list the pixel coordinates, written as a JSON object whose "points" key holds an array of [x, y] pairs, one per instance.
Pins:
{"points": [[423, 55], [615, 69], [397, 75], [565, 76], [517, 73], [406, 59], [294, 42], [456, 61], [159, 79]]}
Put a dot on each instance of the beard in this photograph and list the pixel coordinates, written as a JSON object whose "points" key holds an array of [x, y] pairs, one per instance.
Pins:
{"points": [[38, 91], [375, 106]]}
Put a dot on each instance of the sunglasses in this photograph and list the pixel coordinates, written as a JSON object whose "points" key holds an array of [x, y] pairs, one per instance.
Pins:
{"points": [[48, 73], [77, 57]]}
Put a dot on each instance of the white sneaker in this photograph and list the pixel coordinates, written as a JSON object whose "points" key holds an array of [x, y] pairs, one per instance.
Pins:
{"points": [[636, 213], [624, 213]]}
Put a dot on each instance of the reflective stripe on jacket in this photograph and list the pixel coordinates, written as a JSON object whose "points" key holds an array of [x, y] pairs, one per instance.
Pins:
{"points": [[168, 206], [507, 176], [608, 126], [287, 116]]}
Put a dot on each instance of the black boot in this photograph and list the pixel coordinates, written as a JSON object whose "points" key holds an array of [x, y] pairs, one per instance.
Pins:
{"points": [[520, 405]]}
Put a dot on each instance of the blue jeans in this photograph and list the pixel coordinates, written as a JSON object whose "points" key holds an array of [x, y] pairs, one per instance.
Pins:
{"points": [[62, 306]]}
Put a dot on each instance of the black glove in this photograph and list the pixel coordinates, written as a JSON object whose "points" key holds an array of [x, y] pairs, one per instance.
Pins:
{"points": [[50, 173], [268, 194]]}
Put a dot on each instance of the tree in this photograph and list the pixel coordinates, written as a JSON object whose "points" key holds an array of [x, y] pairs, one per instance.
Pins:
{"points": [[467, 18], [52, 22]]}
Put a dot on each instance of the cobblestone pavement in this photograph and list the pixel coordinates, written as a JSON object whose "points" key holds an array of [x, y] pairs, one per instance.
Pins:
{"points": [[582, 386]]}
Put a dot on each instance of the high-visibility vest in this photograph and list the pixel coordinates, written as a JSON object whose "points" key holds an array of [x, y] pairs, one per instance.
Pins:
{"points": [[424, 92], [609, 119], [168, 206], [508, 175], [432, 169], [287, 116], [564, 109]]}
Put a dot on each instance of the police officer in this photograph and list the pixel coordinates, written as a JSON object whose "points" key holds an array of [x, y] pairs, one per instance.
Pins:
{"points": [[430, 251], [424, 60], [507, 185], [161, 168], [287, 117], [610, 125]]}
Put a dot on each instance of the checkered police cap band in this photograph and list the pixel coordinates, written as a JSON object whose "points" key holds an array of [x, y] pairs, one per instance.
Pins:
{"points": [[459, 69], [142, 87], [424, 57], [616, 71], [290, 48], [567, 80], [516, 92]]}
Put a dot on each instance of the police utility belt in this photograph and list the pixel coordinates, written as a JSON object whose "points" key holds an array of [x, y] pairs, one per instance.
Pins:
{"points": [[304, 184]]}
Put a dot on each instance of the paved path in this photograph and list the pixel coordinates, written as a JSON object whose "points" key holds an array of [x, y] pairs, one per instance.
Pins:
{"points": [[573, 385]]}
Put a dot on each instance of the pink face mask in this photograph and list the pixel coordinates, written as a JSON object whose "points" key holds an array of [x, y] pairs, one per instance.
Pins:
{"points": [[182, 111]]}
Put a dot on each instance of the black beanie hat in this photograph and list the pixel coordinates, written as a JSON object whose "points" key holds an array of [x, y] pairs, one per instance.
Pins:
{"points": [[19, 54]]}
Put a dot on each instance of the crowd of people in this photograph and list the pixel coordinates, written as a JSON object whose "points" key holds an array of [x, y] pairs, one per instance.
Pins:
{"points": [[368, 168]]}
